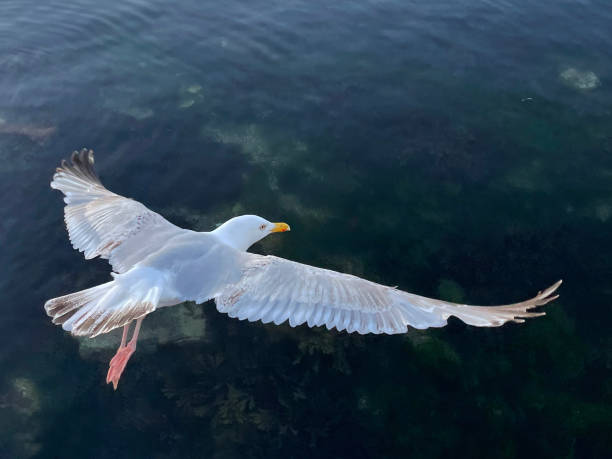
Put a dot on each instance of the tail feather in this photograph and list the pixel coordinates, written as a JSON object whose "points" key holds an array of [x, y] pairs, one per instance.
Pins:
{"points": [[63, 308], [101, 309]]}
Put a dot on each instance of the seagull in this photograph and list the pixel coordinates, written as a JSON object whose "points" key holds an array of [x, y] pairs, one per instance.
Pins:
{"points": [[156, 264]]}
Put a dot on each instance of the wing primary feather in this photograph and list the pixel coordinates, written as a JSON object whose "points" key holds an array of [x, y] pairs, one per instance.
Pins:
{"points": [[277, 290], [99, 221]]}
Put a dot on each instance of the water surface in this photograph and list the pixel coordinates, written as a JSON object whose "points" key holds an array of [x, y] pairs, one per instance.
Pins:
{"points": [[433, 145]]}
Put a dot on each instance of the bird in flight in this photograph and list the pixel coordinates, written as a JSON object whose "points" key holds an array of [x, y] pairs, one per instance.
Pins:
{"points": [[157, 264]]}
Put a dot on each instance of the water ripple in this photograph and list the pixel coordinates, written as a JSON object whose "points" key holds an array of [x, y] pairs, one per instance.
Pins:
{"points": [[61, 29]]}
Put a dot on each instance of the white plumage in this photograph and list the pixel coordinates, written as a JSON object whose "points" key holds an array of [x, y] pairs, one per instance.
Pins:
{"points": [[159, 264]]}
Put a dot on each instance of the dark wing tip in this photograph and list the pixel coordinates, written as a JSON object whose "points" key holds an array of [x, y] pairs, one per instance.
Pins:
{"points": [[546, 295], [81, 164], [542, 298]]}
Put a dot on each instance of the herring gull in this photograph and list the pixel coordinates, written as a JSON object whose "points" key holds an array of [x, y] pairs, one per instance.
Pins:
{"points": [[157, 264]]}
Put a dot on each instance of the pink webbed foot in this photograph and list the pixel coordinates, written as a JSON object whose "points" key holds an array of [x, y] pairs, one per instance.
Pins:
{"points": [[118, 363], [120, 360]]}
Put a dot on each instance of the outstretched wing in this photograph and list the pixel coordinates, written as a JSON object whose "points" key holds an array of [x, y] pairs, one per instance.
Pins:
{"points": [[273, 289], [105, 224]]}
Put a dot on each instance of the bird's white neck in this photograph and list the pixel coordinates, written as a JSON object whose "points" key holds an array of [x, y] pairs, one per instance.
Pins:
{"points": [[234, 235]]}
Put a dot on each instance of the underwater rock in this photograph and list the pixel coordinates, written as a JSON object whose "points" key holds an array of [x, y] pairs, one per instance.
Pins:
{"points": [[579, 79], [290, 202], [136, 112], [190, 95], [127, 103], [603, 212], [22, 397], [599, 210], [20, 404], [529, 177], [37, 134], [178, 324], [449, 290], [249, 138], [435, 352], [262, 147], [186, 103], [139, 113], [194, 89]]}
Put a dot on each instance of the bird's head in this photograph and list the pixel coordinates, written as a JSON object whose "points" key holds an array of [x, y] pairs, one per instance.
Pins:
{"points": [[244, 231]]}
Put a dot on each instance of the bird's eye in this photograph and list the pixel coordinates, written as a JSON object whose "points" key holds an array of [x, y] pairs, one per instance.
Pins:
{"points": [[262, 226]]}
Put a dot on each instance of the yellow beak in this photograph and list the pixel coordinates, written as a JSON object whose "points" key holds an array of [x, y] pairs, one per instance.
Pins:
{"points": [[280, 228]]}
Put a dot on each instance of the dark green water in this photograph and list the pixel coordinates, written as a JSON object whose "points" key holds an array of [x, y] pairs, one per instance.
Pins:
{"points": [[445, 147]]}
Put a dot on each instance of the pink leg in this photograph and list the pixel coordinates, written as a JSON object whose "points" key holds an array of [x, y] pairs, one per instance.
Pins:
{"points": [[120, 360], [126, 328]]}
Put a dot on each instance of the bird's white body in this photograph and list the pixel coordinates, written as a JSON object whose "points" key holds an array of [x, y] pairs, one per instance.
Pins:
{"points": [[202, 253]]}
